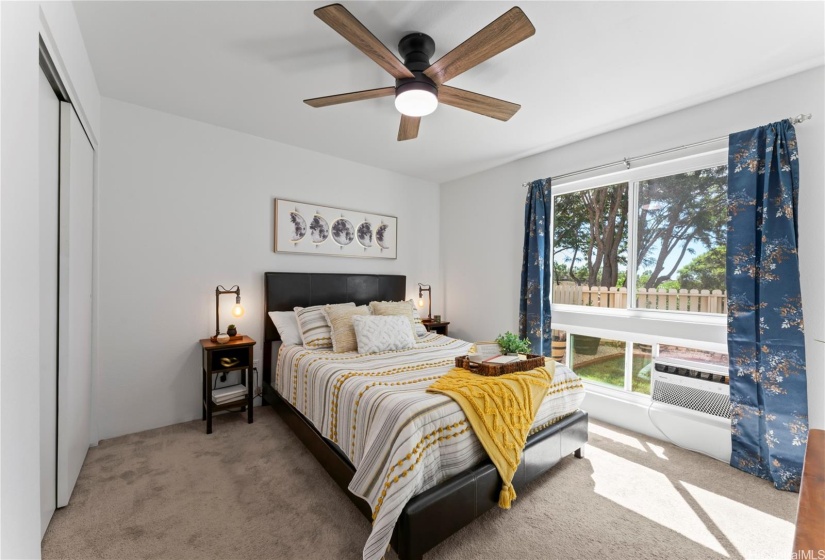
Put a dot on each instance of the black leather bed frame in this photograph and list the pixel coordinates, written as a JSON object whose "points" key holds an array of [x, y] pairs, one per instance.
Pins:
{"points": [[434, 515]]}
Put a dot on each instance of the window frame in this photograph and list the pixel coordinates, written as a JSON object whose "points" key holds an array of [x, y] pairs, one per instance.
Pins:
{"points": [[633, 325]]}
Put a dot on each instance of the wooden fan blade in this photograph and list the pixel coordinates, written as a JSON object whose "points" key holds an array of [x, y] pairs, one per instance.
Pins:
{"points": [[349, 97], [509, 29], [409, 128], [477, 103], [339, 18]]}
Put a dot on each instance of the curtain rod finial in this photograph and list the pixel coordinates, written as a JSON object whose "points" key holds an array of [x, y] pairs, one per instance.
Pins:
{"points": [[800, 118]]}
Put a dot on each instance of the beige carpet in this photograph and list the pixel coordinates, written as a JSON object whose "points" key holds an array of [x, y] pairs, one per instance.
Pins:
{"points": [[253, 491]]}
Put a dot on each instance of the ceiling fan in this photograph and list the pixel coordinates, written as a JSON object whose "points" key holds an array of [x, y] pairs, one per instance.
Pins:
{"points": [[419, 85]]}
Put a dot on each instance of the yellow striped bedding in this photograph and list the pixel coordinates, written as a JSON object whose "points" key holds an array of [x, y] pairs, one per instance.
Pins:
{"points": [[401, 439]]}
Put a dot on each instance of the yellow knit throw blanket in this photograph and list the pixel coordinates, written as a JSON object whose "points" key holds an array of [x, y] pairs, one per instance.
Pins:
{"points": [[501, 411]]}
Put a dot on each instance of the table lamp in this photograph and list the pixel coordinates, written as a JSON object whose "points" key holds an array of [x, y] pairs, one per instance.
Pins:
{"points": [[426, 288], [237, 309]]}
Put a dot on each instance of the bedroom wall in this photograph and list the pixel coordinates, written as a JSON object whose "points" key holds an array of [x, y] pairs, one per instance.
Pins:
{"points": [[487, 305], [185, 206], [19, 246]]}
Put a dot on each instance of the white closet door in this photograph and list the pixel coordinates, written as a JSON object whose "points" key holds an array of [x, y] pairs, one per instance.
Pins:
{"points": [[49, 191], [75, 320]]}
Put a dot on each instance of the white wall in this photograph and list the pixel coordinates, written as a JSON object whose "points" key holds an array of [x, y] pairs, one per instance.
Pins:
{"points": [[19, 284], [185, 206], [19, 246], [482, 272]]}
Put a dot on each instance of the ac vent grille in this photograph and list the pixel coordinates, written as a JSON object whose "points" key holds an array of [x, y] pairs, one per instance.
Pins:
{"points": [[695, 399]]}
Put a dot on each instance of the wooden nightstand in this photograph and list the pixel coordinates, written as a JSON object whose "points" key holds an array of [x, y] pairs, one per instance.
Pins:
{"points": [[240, 350], [438, 328]]}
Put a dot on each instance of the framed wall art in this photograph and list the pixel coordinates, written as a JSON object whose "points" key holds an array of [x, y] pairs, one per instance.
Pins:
{"points": [[301, 227]]}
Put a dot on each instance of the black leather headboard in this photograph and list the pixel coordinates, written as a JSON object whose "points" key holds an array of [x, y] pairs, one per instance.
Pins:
{"points": [[285, 290]]}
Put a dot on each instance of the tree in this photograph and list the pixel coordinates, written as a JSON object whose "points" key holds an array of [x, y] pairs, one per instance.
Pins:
{"points": [[705, 272], [677, 214], [570, 236], [590, 235], [607, 217]]}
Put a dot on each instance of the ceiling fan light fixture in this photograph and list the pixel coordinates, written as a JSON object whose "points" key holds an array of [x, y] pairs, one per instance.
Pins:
{"points": [[416, 99], [418, 83]]}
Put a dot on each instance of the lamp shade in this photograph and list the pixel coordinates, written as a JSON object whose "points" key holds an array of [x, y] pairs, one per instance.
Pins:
{"points": [[416, 99]]}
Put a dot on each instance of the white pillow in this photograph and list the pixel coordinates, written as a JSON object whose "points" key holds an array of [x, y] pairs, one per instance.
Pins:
{"points": [[287, 325], [384, 308], [381, 333]]}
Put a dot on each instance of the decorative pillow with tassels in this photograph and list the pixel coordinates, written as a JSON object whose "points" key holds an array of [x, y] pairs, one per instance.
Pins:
{"points": [[339, 318]]}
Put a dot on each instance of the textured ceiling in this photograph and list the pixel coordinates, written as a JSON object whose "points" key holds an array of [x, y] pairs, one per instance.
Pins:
{"points": [[591, 67]]}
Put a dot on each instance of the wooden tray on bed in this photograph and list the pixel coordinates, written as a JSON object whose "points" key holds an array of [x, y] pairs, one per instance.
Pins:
{"points": [[492, 370]]}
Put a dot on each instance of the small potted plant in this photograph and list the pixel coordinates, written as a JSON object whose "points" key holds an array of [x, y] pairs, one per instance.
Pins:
{"points": [[511, 344], [231, 330]]}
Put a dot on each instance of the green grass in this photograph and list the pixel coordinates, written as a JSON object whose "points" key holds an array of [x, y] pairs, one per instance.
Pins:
{"points": [[611, 372]]}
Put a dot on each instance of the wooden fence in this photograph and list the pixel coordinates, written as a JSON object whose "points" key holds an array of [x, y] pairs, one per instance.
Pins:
{"points": [[695, 301]]}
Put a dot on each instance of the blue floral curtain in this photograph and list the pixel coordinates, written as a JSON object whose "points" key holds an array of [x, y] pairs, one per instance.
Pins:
{"points": [[534, 303], [769, 403]]}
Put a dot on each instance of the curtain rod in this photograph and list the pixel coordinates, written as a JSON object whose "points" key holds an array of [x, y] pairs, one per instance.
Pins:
{"points": [[800, 118]]}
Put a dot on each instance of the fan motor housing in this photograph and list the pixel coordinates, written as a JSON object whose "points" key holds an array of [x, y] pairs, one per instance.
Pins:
{"points": [[416, 50]]}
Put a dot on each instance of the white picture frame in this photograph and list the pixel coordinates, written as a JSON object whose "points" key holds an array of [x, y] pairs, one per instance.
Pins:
{"points": [[315, 229]]}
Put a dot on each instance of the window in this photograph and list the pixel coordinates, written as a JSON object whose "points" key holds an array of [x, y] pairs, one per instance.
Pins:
{"points": [[599, 359], [679, 262], [629, 366], [708, 360], [639, 271], [590, 246], [681, 241], [642, 366]]}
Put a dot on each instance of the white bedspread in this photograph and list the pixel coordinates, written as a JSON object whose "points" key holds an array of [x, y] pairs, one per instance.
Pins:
{"points": [[401, 439]]}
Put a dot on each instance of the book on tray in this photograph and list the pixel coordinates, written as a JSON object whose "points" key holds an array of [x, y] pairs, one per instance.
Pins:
{"points": [[501, 359]]}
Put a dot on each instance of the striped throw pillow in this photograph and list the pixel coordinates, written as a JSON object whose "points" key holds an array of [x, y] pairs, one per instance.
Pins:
{"points": [[339, 318], [420, 329], [315, 331]]}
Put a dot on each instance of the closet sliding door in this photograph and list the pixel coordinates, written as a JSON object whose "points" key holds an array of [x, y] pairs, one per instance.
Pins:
{"points": [[49, 218], [74, 384]]}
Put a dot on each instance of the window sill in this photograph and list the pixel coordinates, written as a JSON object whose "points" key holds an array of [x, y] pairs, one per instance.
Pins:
{"points": [[615, 393], [646, 314], [641, 328]]}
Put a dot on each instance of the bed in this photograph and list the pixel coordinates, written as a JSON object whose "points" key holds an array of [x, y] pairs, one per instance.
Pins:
{"points": [[323, 396]]}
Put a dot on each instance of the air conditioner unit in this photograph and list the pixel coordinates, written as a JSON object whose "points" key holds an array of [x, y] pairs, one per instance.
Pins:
{"points": [[701, 388]]}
